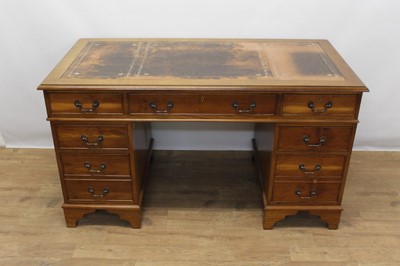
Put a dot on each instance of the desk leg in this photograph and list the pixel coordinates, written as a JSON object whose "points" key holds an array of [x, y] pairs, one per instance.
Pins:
{"points": [[72, 215], [271, 217]]}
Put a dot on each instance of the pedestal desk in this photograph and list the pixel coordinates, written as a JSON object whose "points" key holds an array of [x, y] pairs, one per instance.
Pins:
{"points": [[301, 95]]}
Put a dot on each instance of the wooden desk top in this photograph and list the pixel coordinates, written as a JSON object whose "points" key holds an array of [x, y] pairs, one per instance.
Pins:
{"points": [[203, 63]]}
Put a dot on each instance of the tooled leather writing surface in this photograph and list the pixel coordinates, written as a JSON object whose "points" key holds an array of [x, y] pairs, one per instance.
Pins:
{"points": [[203, 60]]}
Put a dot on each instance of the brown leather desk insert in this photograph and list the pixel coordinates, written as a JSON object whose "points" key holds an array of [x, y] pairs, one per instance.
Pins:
{"points": [[301, 94]]}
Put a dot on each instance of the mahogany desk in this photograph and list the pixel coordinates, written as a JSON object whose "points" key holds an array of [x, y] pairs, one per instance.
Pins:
{"points": [[301, 94]]}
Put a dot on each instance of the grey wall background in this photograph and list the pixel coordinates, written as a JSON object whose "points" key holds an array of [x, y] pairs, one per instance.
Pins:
{"points": [[36, 34]]}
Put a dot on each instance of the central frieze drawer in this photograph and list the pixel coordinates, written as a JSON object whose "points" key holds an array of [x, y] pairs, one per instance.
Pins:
{"points": [[82, 190], [85, 104], [95, 165], [257, 104], [299, 138], [92, 136], [311, 104]]}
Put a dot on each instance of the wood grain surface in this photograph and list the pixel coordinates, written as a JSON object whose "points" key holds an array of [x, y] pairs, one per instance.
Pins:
{"points": [[193, 210]]}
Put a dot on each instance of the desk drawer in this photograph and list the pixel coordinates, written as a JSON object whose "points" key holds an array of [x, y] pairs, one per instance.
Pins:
{"points": [[95, 165], [326, 105], [82, 190], [309, 166], [92, 136], [85, 104], [306, 192], [298, 138], [207, 103]]}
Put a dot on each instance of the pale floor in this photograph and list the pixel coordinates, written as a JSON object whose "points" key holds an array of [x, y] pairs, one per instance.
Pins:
{"points": [[197, 212]]}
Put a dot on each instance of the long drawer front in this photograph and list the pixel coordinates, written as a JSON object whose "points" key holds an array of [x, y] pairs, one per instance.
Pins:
{"points": [[99, 191], [95, 165], [306, 167], [92, 136], [231, 104], [315, 138], [306, 192], [103, 104], [319, 105]]}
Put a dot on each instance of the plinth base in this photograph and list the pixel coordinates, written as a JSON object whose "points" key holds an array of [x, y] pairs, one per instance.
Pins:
{"points": [[329, 214], [74, 212]]}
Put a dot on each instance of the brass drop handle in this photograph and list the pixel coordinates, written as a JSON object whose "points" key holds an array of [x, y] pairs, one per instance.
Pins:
{"points": [[306, 140], [99, 140], [89, 167], [312, 194], [153, 106], [236, 106], [302, 167], [79, 105], [328, 105], [101, 195]]}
